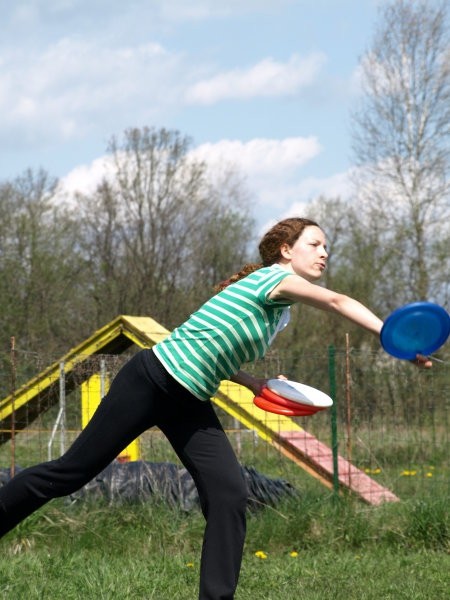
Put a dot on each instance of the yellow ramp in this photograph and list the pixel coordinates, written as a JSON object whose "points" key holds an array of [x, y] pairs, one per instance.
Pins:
{"points": [[92, 391], [41, 392]]}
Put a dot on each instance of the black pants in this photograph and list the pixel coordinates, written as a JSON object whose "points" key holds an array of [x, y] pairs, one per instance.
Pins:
{"points": [[143, 395]]}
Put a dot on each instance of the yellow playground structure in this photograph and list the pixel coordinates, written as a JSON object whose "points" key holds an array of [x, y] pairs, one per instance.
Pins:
{"points": [[283, 433]]}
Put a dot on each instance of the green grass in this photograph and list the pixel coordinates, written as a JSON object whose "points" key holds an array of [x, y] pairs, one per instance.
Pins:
{"points": [[345, 549], [148, 551], [316, 575]]}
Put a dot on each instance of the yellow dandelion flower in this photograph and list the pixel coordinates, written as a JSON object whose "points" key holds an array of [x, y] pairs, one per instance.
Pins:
{"points": [[294, 553], [190, 565], [429, 474], [260, 554], [408, 473]]}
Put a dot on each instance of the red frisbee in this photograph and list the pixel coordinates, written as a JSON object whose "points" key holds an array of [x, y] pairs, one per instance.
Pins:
{"points": [[282, 401], [277, 409]]}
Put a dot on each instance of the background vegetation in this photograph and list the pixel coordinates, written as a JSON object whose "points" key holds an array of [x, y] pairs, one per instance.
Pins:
{"points": [[161, 229]]}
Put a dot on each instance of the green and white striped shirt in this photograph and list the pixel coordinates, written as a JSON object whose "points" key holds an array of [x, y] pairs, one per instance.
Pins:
{"points": [[235, 326]]}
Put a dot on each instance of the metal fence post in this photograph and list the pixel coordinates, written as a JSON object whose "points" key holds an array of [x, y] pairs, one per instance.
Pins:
{"points": [[334, 435]]}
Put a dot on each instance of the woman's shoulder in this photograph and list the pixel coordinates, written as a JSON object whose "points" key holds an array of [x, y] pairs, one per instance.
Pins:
{"points": [[272, 272]]}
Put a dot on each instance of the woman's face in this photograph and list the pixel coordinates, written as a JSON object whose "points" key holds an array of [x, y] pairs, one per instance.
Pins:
{"points": [[308, 255]]}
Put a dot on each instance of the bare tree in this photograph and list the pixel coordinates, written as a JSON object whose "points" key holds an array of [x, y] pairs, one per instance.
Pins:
{"points": [[39, 266], [157, 231], [401, 141]]}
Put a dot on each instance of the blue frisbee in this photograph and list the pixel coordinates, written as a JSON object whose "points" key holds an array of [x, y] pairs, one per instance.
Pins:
{"points": [[417, 328]]}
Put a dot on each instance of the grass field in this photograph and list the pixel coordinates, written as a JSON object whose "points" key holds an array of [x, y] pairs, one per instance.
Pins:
{"points": [[316, 547]]}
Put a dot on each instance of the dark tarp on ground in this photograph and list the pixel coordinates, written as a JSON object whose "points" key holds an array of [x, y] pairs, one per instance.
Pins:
{"points": [[140, 480]]}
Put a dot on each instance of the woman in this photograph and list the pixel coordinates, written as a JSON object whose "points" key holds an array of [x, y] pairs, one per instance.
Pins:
{"points": [[170, 386]]}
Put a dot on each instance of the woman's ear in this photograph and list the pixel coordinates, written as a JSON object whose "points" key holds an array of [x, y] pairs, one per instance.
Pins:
{"points": [[285, 251]]}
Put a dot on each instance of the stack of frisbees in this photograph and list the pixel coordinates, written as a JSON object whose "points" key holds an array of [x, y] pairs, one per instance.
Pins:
{"points": [[292, 399]]}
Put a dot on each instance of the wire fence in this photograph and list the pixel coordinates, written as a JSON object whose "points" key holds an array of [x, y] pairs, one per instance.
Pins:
{"points": [[392, 420]]}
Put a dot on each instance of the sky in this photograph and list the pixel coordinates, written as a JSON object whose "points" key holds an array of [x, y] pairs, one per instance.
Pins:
{"points": [[266, 86]]}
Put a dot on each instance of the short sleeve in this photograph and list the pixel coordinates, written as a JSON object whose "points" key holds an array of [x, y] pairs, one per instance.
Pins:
{"points": [[268, 283]]}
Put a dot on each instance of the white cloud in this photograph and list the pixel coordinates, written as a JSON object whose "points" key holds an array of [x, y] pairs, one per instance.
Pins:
{"points": [[272, 170], [260, 157], [78, 85], [290, 197], [267, 78], [333, 186], [74, 86], [84, 179]]}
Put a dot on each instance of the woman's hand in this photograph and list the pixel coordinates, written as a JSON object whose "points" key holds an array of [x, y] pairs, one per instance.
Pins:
{"points": [[422, 362], [255, 384]]}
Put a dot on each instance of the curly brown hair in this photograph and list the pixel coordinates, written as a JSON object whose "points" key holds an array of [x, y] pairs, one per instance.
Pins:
{"points": [[286, 231]]}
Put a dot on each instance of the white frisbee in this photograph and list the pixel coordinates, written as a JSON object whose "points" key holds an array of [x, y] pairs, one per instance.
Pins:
{"points": [[299, 392]]}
